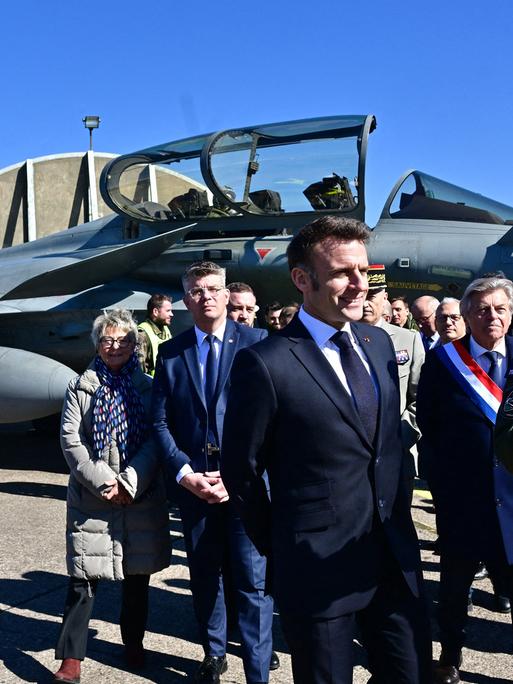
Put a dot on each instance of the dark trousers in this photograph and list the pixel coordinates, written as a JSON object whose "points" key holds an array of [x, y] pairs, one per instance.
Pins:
{"points": [[394, 629], [456, 577], [213, 536], [72, 641]]}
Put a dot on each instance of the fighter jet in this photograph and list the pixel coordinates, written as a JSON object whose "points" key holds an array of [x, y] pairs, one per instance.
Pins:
{"points": [[235, 197]]}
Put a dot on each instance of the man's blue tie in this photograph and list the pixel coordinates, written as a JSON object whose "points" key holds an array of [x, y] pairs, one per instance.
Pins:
{"points": [[210, 388], [494, 370], [360, 383]]}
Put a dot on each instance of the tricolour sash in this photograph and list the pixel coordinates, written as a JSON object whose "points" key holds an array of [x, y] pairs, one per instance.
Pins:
{"points": [[471, 377]]}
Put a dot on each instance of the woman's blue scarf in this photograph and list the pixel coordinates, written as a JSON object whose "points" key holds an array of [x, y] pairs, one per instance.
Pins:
{"points": [[118, 411]]}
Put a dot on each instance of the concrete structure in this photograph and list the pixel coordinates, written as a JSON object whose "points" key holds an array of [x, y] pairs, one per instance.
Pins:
{"points": [[48, 194], [43, 195]]}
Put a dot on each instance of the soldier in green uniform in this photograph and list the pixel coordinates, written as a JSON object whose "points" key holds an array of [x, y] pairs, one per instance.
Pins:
{"points": [[154, 330]]}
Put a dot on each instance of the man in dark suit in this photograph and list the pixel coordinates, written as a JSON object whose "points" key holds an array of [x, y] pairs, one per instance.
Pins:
{"points": [[317, 406], [190, 390], [459, 392], [423, 311]]}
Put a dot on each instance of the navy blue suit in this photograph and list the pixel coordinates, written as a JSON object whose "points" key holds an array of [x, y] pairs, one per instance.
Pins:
{"points": [[212, 532], [472, 492], [337, 528]]}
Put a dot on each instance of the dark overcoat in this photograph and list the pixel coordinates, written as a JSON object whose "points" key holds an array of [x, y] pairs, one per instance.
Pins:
{"points": [[473, 492]]}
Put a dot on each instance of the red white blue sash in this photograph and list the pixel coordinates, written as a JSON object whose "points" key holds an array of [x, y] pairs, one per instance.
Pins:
{"points": [[471, 377]]}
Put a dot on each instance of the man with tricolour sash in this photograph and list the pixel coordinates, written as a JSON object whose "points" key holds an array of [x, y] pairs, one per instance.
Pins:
{"points": [[459, 395]]}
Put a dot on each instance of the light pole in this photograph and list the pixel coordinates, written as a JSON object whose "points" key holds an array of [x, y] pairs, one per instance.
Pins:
{"points": [[91, 122]]}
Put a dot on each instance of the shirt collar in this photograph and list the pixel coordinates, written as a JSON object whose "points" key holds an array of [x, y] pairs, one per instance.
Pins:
{"points": [[476, 350], [434, 337], [320, 331], [218, 333]]}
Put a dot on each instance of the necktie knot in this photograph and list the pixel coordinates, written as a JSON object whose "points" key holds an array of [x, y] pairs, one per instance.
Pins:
{"points": [[341, 340], [491, 356]]}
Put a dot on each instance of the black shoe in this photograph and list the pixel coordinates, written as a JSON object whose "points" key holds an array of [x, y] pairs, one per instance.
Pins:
{"points": [[446, 674], [482, 572], [211, 669], [446, 670], [275, 661], [502, 604]]}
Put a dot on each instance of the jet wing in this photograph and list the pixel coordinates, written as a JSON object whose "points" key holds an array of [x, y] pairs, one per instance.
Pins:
{"points": [[67, 273]]}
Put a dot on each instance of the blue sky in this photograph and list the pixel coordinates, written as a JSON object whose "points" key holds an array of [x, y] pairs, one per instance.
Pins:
{"points": [[438, 76]]}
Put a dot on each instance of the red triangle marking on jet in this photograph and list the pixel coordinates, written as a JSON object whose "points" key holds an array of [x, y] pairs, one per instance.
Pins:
{"points": [[263, 252]]}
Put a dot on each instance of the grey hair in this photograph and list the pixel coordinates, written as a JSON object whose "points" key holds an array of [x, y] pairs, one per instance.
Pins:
{"points": [[447, 300], [200, 269], [486, 285], [433, 301], [116, 318]]}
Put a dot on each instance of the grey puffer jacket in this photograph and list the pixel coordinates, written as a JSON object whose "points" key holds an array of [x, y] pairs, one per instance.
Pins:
{"points": [[106, 540]]}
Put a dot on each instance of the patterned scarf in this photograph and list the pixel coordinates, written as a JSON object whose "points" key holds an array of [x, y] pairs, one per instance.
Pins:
{"points": [[118, 411]]}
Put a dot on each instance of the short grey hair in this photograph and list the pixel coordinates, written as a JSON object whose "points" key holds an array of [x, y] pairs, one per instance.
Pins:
{"points": [[447, 300], [200, 269], [432, 301], [486, 285], [116, 318]]}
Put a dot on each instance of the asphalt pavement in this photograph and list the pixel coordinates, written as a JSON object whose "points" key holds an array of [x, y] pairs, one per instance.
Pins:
{"points": [[33, 584]]}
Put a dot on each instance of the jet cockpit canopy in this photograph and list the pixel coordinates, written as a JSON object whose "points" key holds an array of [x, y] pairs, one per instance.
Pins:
{"points": [[417, 195], [276, 171]]}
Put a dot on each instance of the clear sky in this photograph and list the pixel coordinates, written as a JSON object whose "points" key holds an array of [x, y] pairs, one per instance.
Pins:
{"points": [[437, 75]]}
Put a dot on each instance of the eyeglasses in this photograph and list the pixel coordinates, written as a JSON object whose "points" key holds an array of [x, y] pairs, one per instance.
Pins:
{"points": [[423, 319], [122, 342], [197, 293], [445, 317]]}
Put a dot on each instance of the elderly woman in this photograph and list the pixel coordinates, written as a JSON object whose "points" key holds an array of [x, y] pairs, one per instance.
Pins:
{"points": [[117, 517]]}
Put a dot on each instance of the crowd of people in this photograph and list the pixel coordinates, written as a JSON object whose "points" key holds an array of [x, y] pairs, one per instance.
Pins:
{"points": [[292, 450]]}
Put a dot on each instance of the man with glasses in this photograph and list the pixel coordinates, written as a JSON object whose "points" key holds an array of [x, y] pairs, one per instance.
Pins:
{"points": [[423, 311], [189, 399], [458, 397], [449, 322]]}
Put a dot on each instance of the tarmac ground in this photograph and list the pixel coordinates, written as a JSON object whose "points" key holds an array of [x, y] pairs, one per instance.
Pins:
{"points": [[33, 584]]}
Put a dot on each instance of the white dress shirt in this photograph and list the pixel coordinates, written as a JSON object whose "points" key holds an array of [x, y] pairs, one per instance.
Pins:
{"points": [[321, 333]]}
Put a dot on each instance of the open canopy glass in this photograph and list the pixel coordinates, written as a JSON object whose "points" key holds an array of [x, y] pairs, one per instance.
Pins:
{"points": [[310, 165]]}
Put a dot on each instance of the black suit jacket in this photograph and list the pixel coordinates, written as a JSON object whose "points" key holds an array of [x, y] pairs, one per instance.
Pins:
{"points": [[337, 501], [473, 493]]}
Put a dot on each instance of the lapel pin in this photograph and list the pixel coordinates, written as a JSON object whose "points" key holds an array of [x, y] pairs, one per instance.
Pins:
{"points": [[366, 339], [230, 340]]}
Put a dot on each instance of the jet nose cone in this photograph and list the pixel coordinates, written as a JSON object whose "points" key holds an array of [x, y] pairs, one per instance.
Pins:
{"points": [[31, 386]]}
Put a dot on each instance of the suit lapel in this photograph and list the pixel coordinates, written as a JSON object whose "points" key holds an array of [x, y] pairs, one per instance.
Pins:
{"points": [[230, 346], [310, 356], [191, 358]]}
